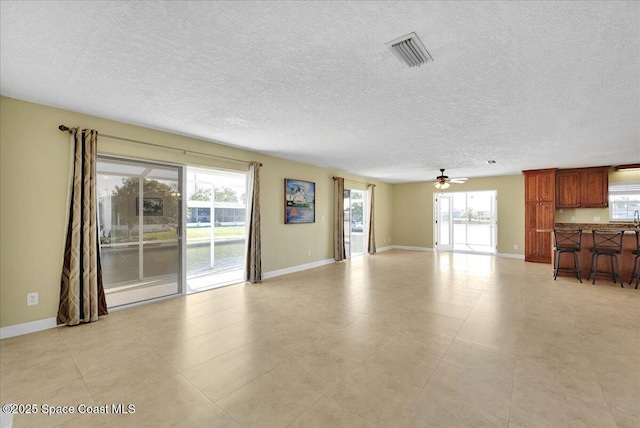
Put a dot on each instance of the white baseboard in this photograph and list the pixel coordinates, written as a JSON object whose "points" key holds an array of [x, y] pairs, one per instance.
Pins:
{"points": [[27, 327], [380, 250], [404, 247], [298, 268], [511, 256]]}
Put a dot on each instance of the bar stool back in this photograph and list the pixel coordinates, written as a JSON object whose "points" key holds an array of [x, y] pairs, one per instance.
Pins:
{"points": [[567, 241], [635, 274], [606, 243]]}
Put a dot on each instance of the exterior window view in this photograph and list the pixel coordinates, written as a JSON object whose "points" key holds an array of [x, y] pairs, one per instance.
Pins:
{"points": [[215, 228], [466, 221], [139, 213], [354, 221]]}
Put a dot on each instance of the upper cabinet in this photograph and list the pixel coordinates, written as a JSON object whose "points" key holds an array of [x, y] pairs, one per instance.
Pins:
{"points": [[568, 188], [582, 188], [539, 185]]}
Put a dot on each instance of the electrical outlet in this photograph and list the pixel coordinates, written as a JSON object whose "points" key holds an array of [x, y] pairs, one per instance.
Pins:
{"points": [[32, 299], [560, 210], [573, 218], [308, 253], [596, 218], [515, 246]]}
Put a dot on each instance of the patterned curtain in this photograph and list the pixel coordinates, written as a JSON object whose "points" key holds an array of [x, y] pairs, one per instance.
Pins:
{"points": [[372, 232], [82, 296], [253, 270], [338, 230]]}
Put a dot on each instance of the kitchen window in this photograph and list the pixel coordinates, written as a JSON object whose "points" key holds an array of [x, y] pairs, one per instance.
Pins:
{"points": [[624, 199]]}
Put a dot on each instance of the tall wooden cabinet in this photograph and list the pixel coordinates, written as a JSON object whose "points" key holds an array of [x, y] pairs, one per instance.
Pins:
{"points": [[539, 194]]}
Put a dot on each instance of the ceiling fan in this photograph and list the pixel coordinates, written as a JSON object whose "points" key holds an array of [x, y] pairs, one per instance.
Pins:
{"points": [[443, 181]]}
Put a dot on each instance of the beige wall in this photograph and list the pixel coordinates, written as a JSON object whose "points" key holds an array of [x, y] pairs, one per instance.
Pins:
{"points": [[413, 211], [586, 215], [34, 190], [34, 168]]}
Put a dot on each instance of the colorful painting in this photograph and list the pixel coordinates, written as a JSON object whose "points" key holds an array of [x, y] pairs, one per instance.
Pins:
{"points": [[299, 201]]}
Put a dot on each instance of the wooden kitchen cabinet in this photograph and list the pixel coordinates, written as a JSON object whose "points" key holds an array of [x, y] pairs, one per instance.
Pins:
{"points": [[595, 187], [539, 214], [539, 185], [568, 188], [582, 188]]}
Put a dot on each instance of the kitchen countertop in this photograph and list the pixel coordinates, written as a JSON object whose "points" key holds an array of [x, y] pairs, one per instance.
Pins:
{"points": [[627, 227]]}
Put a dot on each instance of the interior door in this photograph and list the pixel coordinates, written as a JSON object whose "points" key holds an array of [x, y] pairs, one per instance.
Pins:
{"points": [[444, 222]]}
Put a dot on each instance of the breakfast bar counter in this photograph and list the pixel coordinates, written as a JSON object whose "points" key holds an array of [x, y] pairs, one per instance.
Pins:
{"points": [[625, 259]]}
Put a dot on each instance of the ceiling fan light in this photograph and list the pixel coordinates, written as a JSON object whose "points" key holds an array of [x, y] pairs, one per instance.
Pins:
{"points": [[442, 186]]}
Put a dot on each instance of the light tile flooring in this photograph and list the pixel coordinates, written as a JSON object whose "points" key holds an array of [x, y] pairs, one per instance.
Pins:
{"points": [[399, 339]]}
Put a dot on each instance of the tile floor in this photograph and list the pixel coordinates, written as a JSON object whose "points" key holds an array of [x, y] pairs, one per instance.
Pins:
{"points": [[399, 339]]}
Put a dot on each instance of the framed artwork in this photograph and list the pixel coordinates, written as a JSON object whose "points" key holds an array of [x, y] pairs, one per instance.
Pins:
{"points": [[151, 207], [299, 201]]}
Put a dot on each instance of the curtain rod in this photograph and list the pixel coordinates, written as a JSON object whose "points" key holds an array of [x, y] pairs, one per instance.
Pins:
{"points": [[354, 181], [67, 129]]}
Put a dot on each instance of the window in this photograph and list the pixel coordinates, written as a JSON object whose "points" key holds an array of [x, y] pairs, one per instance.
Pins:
{"points": [[624, 199]]}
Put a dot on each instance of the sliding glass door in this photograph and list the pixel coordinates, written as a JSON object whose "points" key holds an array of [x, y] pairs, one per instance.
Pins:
{"points": [[466, 221], [216, 234], [354, 222], [140, 216], [444, 222]]}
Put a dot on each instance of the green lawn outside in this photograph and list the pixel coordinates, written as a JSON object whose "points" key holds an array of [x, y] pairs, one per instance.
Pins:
{"points": [[192, 233]]}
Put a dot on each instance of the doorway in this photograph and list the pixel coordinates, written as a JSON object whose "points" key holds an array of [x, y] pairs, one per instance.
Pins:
{"points": [[140, 217], [466, 221], [354, 222]]}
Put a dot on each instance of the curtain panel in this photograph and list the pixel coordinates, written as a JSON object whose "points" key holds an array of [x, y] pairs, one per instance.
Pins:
{"points": [[253, 270], [82, 297], [372, 233], [338, 229]]}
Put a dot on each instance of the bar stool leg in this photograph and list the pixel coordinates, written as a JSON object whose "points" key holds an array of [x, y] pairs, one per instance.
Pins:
{"points": [[556, 264], [593, 256], [595, 269], [575, 260], [617, 271], [633, 272]]}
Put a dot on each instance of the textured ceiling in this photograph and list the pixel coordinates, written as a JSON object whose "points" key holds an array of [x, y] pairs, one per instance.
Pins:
{"points": [[529, 84]]}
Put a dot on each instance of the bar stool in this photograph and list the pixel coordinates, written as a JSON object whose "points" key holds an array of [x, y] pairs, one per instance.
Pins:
{"points": [[567, 241], [635, 274], [606, 243]]}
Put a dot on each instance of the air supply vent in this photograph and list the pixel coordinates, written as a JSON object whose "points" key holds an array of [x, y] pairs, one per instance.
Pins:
{"points": [[410, 50]]}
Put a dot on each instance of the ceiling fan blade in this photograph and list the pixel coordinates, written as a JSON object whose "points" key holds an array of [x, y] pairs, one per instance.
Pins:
{"points": [[458, 180]]}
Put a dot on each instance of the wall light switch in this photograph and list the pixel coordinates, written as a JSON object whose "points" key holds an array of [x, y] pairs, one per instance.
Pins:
{"points": [[573, 218]]}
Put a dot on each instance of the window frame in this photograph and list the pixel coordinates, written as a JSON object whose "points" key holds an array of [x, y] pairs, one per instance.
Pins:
{"points": [[621, 190]]}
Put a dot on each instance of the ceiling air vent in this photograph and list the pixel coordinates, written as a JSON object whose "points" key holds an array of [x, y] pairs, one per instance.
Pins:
{"points": [[410, 50]]}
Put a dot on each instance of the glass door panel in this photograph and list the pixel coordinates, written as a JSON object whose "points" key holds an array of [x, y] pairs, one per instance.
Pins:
{"points": [[357, 222], [216, 233], [347, 222], [474, 221], [444, 222], [139, 209]]}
